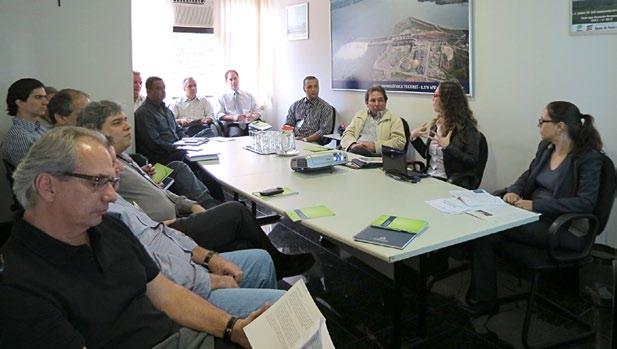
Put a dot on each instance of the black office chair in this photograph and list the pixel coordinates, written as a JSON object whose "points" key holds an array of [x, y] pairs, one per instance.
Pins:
{"points": [[324, 141], [614, 330], [472, 179], [15, 206], [407, 133], [538, 260]]}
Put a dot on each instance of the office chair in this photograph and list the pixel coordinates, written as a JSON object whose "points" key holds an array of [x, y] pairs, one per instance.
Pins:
{"points": [[468, 180], [15, 206], [324, 141], [614, 318], [473, 178], [538, 260], [407, 133]]}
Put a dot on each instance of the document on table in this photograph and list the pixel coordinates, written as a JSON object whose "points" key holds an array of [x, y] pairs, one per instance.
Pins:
{"points": [[294, 321], [477, 198], [466, 201], [309, 212]]}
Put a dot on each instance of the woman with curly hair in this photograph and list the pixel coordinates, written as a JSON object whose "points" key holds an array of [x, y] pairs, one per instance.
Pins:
{"points": [[452, 148]]}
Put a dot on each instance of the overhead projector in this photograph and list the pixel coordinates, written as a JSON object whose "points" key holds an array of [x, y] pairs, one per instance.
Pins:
{"points": [[318, 161]]}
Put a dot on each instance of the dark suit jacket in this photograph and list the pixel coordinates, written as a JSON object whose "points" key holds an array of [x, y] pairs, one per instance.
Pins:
{"points": [[577, 190], [155, 131], [459, 157]]}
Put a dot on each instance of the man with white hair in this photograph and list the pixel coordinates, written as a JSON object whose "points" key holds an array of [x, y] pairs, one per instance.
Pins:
{"points": [[193, 113], [76, 277]]}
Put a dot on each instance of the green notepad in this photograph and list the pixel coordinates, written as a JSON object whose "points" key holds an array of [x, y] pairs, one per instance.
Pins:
{"points": [[286, 191], [316, 148], [309, 212], [161, 172], [407, 225]]}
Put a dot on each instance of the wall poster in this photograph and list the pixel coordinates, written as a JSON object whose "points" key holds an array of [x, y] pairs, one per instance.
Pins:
{"points": [[403, 45], [593, 16]]}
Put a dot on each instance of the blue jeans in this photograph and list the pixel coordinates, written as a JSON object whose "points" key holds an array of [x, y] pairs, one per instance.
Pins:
{"points": [[258, 285]]}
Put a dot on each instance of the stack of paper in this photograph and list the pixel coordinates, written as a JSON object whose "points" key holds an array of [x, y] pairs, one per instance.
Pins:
{"points": [[191, 141], [202, 155], [260, 125], [467, 200], [294, 321]]}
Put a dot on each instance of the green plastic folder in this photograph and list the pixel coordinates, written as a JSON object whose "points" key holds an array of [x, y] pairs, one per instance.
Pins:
{"points": [[309, 212], [316, 148], [161, 172], [286, 191], [407, 225]]}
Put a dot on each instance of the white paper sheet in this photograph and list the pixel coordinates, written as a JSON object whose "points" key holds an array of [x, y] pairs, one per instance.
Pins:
{"points": [[294, 321]]}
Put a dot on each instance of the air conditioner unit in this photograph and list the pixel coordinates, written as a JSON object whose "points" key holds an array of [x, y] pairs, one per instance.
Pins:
{"points": [[194, 13]]}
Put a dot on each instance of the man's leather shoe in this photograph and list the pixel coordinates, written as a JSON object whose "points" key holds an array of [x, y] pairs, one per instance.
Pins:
{"points": [[291, 265], [480, 308]]}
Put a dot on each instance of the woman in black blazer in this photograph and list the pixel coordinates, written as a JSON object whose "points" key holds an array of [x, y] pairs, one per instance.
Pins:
{"points": [[452, 145], [564, 177]]}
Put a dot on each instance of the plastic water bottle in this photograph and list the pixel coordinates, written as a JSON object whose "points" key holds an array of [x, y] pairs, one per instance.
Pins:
{"points": [[288, 141]]}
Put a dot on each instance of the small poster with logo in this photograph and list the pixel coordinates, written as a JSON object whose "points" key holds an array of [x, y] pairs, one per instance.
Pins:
{"points": [[593, 16]]}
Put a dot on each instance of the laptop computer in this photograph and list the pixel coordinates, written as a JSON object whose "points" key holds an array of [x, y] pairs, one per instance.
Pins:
{"points": [[395, 165]]}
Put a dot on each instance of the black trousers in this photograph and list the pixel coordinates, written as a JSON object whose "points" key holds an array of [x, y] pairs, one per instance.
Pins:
{"points": [[484, 271], [226, 227]]}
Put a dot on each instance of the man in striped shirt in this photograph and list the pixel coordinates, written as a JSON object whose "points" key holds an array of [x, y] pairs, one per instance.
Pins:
{"points": [[311, 116], [26, 102]]}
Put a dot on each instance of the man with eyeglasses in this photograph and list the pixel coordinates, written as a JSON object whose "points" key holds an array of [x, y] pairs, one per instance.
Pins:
{"points": [[76, 277], [223, 228]]}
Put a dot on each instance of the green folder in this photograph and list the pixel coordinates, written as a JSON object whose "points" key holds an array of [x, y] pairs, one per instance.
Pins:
{"points": [[407, 225], [161, 172], [316, 148], [309, 212]]}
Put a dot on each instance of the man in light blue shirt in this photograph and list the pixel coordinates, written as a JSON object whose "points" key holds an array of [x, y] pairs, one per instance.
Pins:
{"points": [[238, 282]]}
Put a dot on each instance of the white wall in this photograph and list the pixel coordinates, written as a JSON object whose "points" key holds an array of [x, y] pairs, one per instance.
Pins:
{"points": [[84, 44], [523, 58]]}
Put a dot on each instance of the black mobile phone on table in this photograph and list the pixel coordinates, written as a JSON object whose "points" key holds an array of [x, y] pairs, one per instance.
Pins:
{"points": [[271, 191]]}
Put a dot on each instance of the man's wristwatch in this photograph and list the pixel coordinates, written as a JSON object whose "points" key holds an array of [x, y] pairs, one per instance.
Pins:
{"points": [[208, 257]]}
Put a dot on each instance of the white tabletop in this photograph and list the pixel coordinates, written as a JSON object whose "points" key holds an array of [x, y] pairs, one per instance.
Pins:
{"points": [[357, 197]]}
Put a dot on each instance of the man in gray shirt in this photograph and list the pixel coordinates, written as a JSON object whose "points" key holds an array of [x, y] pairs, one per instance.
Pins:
{"points": [[238, 282], [311, 116]]}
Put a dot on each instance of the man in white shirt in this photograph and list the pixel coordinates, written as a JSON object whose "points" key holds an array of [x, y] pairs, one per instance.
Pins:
{"points": [[237, 107], [194, 114], [138, 99]]}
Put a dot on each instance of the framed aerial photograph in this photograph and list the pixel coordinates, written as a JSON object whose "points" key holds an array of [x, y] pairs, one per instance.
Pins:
{"points": [[593, 16], [405, 46], [297, 22]]}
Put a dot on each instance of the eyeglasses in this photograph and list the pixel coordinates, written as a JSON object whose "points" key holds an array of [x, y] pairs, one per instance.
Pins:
{"points": [[97, 182], [542, 121]]}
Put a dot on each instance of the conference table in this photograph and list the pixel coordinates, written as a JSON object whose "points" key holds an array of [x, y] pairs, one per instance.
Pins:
{"points": [[357, 197]]}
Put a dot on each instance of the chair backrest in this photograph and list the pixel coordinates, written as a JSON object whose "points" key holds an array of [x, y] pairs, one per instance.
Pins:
{"points": [[333, 120], [483, 158], [606, 196], [15, 206], [407, 133]]}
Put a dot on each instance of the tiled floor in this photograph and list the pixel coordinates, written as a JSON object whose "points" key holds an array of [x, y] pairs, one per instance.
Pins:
{"points": [[356, 303]]}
